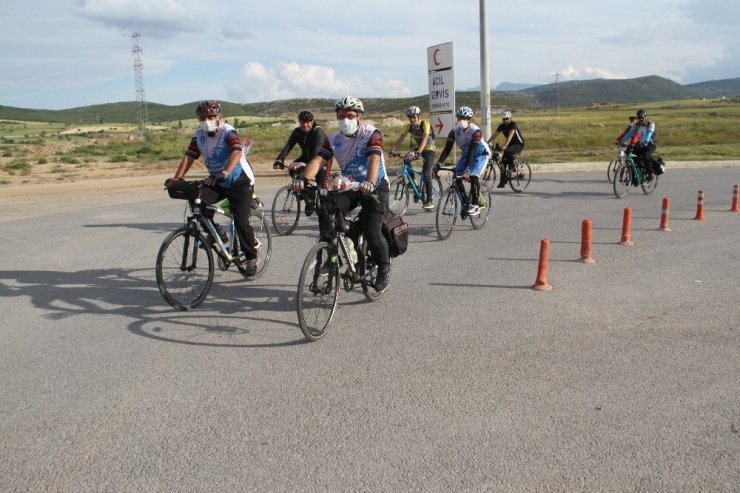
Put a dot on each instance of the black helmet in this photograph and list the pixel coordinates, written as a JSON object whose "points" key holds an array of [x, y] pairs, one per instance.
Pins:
{"points": [[641, 113], [305, 116]]}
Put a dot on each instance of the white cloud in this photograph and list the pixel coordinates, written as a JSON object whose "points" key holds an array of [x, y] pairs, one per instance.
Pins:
{"points": [[159, 19], [293, 80], [574, 73]]}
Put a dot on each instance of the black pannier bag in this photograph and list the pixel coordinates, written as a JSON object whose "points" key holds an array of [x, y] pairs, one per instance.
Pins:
{"points": [[396, 232], [658, 165], [184, 190]]}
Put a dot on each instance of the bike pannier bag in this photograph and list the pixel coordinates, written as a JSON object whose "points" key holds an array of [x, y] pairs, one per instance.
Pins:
{"points": [[396, 232], [658, 165], [184, 190]]}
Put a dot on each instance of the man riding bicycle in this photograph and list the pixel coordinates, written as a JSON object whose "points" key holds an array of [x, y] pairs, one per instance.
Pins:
{"points": [[643, 134], [358, 148], [514, 143], [230, 175], [474, 153], [310, 137], [421, 131]]}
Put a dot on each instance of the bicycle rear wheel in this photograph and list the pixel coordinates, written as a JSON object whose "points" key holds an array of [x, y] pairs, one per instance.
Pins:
{"points": [[649, 186], [263, 239], [622, 180], [318, 291], [184, 268], [447, 211], [286, 209], [366, 268], [398, 198], [521, 174], [436, 189], [485, 207]]}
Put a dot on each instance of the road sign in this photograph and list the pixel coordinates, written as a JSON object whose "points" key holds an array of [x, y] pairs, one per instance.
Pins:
{"points": [[440, 67]]}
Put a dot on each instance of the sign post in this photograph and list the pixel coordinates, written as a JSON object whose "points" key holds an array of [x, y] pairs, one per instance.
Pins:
{"points": [[440, 63]]}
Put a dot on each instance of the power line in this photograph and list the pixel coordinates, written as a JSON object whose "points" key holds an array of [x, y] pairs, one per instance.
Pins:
{"points": [[142, 115]]}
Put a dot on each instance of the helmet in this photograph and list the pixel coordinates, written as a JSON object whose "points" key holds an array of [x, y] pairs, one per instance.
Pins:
{"points": [[505, 115], [349, 103], [413, 110], [464, 112], [641, 113], [305, 116], [205, 109]]}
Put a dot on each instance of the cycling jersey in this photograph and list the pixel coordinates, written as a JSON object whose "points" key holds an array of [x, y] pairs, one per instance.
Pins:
{"points": [[474, 151], [216, 150], [417, 133], [506, 128], [352, 154], [310, 142], [645, 133]]}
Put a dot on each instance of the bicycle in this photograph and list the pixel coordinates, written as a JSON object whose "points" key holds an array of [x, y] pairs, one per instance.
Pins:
{"points": [[631, 173], [286, 206], [451, 201], [329, 262], [185, 267], [407, 185], [611, 170], [517, 176]]}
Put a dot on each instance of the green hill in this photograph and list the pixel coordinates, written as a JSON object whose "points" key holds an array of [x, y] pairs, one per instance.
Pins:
{"points": [[571, 93]]}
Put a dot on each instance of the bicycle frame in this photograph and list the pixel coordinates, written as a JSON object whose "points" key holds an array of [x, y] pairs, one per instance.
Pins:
{"points": [[636, 170]]}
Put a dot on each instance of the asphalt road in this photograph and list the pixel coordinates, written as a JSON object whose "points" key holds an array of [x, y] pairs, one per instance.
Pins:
{"points": [[624, 377]]}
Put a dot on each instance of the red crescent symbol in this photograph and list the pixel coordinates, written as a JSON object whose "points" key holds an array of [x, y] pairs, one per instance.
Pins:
{"points": [[434, 56]]}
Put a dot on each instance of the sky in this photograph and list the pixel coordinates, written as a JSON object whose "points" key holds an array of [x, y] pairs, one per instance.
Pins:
{"points": [[59, 54]]}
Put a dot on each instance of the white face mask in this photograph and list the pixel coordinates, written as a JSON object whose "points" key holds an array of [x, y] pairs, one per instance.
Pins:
{"points": [[463, 124], [209, 126], [348, 127]]}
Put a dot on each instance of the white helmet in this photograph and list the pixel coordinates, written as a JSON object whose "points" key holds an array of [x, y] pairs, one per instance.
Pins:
{"points": [[464, 112], [413, 110], [505, 115], [349, 103]]}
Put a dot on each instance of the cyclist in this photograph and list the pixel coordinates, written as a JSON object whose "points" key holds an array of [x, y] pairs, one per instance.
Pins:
{"points": [[644, 135], [514, 143], [310, 137], [230, 175], [474, 154], [618, 140], [358, 148], [421, 131]]}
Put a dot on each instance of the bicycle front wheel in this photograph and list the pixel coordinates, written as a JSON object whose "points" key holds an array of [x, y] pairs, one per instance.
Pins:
{"points": [[286, 209], [318, 291], [489, 174], [622, 180], [521, 174], [485, 204], [398, 199], [447, 211], [184, 269]]}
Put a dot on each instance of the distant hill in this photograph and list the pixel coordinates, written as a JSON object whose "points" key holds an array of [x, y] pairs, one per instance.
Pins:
{"points": [[570, 93], [513, 86], [585, 92], [728, 88]]}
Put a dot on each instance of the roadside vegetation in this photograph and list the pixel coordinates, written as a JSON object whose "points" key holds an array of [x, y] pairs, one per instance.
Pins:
{"points": [[687, 130]]}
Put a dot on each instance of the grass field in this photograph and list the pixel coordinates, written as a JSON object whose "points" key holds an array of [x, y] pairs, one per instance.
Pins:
{"points": [[686, 130]]}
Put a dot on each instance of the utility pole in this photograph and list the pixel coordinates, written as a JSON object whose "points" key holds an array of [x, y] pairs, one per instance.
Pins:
{"points": [[142, 115], [485, 83], [557, 94]]}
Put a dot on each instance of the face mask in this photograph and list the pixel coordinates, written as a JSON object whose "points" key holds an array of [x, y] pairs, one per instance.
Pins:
{"points": [[209, 126], [463, 124], [348, 127]]}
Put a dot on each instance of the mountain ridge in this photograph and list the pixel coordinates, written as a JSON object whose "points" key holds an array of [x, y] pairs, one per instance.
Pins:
{"points": [[570, 93]]}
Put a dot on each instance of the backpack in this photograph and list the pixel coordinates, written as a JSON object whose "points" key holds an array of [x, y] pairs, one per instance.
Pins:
{"points": [[431, 132], [396, 232], [658, 164]]}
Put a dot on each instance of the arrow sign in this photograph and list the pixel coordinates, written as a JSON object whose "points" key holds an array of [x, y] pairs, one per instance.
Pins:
{"points": [[439, 126]]}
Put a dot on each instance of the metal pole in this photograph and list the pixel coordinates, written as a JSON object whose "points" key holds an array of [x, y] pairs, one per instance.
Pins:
{"points": [[485, 84]]}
